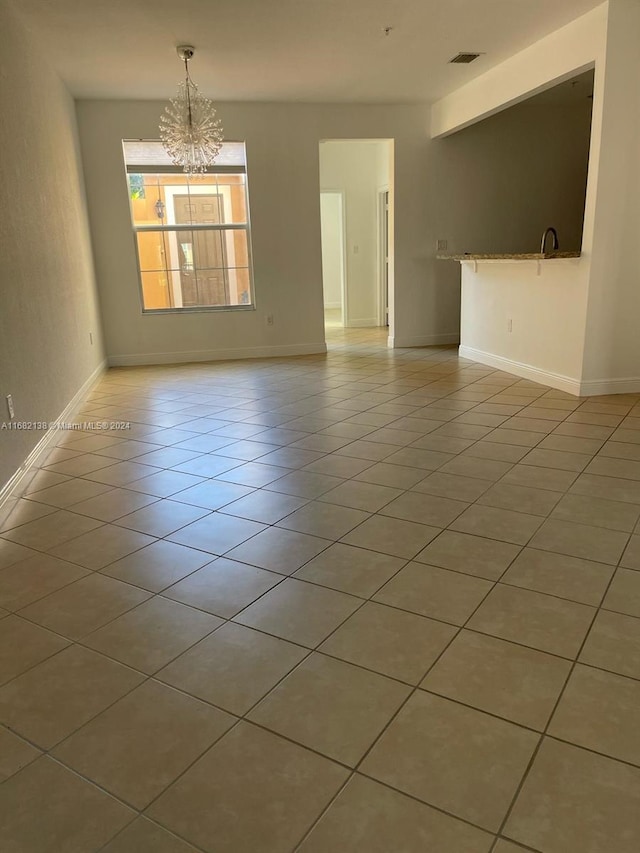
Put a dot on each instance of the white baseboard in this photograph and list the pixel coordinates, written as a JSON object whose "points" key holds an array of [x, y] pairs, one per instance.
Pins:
{"points": [[597, 387], [362, 324], [526, 371], [424, 340], [18, 481], [215, 354]]}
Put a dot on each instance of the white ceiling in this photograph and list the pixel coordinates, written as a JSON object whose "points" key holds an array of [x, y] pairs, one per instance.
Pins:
{"points": [[286, 50]]}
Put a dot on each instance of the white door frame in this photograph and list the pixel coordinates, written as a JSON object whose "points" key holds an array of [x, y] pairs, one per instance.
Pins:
{"points": [[343, 252], [383, 237]]}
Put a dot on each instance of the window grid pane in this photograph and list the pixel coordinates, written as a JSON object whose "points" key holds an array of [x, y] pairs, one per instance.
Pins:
{"points": [[208, 266]]}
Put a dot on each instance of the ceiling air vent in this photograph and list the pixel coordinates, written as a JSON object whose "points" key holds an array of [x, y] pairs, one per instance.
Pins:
{"points": [[464, 58]]}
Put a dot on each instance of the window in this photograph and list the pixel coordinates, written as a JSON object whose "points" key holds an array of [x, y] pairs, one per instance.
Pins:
{"points": [[192, 234]]}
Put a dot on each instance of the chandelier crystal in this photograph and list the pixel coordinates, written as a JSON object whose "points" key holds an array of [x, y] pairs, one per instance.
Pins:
{"points": [[190, 132]]}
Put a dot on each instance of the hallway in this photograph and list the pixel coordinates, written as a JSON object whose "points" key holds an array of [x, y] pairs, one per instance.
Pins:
{"points": [[379, 600]]}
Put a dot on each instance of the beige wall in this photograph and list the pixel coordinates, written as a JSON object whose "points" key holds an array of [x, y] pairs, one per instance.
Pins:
{"points": [[499, 184], [48, 302], [283, 178]]}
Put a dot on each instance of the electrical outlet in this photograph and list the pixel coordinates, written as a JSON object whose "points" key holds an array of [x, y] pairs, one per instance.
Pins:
{"points": [[10, 408], [269, 319], [442, 245], [509, 325]]}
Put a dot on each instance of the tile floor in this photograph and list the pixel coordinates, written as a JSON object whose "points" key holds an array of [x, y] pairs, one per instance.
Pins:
{"points": [[378, 601]]}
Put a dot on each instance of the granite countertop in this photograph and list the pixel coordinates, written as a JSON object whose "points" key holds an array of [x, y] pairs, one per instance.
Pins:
{"points": [[527, 256]]}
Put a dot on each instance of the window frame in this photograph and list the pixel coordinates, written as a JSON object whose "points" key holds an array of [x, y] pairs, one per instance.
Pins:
{"points": [[170, 169]]}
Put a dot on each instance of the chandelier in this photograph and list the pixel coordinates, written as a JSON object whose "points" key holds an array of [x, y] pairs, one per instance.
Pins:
{"points": [[190, 132]]}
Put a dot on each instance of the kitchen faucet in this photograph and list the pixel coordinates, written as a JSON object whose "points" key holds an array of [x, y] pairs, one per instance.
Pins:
{"points": [[554, 233]]}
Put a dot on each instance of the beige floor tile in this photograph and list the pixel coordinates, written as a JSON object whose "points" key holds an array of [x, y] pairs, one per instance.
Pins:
{"points": [[143, 835], [626, 469], [300, 612], [393, 476], [559, 574], [452, 486], [81, 607], [52, 700], [304, 484], [23, 645], [287, 457], [150, 636], [472, 555], [69, 493], [580, 540], [121, 473], [444, 443], [73, 815], [97, 548], [614, 644], [142, 743], [455, 758], [267, 793], [483, 469], [631, 557], [164, 484], [352, 570], [392, 536], [31, 579], [12, 553], [15, 753], [43, 534], [522, 498], [78, 466], [113, 504], [438, 593], [496, 451], [324, 520], [501, 678], [332, 707], [507, 847], [279, 550], [597, 512], [212, 494], [233, 668], [539, 478], [162, 517], [557, 460], [158, 566], [361, 495], [253, 474], [263, 506], [424, 509], [573, 801], [216, 533], [414, 457], [389, 641], [610, 488], [494, 523], [571, 444], [540, 621], [223, 588], [372, 448], [623, 595], [367, 817], [599, 710]]}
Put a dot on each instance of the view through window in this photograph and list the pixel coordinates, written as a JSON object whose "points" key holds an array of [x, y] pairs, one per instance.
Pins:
{"points": [[192, 233]]}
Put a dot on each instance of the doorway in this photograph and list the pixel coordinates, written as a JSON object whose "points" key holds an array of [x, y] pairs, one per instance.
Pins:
{"points": [[357, 232], [333, 257]]}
